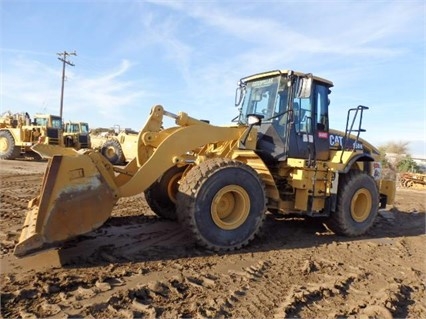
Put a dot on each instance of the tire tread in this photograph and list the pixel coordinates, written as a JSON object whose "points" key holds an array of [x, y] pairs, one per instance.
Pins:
{"points": [[338, 222], [186, 199]]}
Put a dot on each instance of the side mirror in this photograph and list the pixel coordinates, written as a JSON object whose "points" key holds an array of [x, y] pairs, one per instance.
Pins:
{"points": [[304, 88], [252, 120], [239, 94]]}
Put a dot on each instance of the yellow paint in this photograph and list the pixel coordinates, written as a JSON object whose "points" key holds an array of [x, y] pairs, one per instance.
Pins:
{"points": [[388, 187]]}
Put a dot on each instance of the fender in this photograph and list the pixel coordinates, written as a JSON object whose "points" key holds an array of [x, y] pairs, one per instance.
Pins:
{"points": [[364, 157]]}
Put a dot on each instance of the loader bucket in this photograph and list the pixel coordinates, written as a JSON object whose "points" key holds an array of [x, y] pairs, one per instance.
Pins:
{"points": [[77, 196]]}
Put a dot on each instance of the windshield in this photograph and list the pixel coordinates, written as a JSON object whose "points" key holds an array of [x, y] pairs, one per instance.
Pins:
{"points": [[84, 128], [44, 121], [266, 97], [76, 128], [56, 122], [71, 128], [39, 121]]}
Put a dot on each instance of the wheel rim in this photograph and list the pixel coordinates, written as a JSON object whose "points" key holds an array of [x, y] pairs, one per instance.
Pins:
{"points": [[110, 152], [361, 205], [4, 145], [172, 187], [230, 207]]}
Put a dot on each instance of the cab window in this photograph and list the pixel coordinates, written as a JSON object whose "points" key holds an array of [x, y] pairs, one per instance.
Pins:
{"points": [[322, 102], [302, 115]]}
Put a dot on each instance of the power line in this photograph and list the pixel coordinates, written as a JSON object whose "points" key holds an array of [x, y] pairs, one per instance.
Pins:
{"points": [[63, 57]]}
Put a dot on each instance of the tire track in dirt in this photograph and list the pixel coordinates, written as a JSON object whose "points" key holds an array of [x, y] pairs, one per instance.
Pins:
{"points": [[244, 285], [140, 266], [330, 285], [258, 288]]}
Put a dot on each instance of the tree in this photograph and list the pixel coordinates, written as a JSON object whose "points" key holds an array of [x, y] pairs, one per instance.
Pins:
{"points": [[398, 148], [383, 159], [395, 158], [407, 164]]}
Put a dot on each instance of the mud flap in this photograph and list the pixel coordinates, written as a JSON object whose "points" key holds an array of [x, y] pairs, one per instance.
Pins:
{"points": [[387, 192], [75, 198]]}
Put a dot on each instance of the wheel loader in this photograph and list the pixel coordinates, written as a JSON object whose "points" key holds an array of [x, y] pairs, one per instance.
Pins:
{"points": [[18, 133], [76, 135], [279, 155], [119, 147]]}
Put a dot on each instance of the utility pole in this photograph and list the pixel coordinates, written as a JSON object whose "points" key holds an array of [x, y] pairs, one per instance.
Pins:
{"points": [[63, 57]]}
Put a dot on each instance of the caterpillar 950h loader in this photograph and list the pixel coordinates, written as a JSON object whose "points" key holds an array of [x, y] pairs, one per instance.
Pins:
{"points": [[280, 156]]}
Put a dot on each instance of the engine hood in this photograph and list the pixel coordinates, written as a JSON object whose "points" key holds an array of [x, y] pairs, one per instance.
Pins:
{"points": [[336, 140]]}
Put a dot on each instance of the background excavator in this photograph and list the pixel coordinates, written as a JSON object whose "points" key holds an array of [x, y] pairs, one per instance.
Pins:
{"points": [[279, 156]]}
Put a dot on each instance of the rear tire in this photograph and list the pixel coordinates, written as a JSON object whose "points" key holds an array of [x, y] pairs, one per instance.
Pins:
{"points": [[357, 205], [223, 203], [111, 149], [8, 149], [161, 195]]}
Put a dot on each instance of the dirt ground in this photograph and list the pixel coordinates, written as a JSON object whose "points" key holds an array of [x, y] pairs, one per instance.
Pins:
{"points": [[138, 265]]}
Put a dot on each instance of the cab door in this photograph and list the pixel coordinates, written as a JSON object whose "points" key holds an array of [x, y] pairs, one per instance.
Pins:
{"points": [[308, 136], [320, 121], [301, 139]]}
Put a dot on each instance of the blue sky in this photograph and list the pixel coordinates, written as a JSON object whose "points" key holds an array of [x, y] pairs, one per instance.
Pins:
{"points": [[189, 55]]}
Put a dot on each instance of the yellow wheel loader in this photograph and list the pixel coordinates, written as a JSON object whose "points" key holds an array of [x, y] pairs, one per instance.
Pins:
{"points": [[76, 135], [18, 133], [119, 148], [219, 182]]}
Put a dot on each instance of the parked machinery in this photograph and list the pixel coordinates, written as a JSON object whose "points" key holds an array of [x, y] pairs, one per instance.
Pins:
{"points": [[409, 180], [18, 133], [119, 147], [76, 135], [219, 181]]}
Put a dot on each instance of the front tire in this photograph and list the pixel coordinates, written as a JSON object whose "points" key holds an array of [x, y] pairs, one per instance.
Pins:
{"points": [[223, 203], [357, 205], [161, 195], [8, 149]]}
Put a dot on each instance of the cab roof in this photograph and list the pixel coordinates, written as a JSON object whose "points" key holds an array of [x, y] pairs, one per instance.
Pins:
{"points": [[44, 116], [282, 72]]}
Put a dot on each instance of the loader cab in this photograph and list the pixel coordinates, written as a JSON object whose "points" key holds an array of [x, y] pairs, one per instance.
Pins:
{"points": [[76, 134], [294, 111], [51, 126]]}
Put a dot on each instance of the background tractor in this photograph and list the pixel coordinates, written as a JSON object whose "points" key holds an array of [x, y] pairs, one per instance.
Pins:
{"points": [[18, 133], [119, 147], [219, 181], [76, 135], [409, 180]]}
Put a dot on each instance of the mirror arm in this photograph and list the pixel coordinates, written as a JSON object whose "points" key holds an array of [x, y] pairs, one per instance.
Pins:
{"points": [[244, 140]]}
